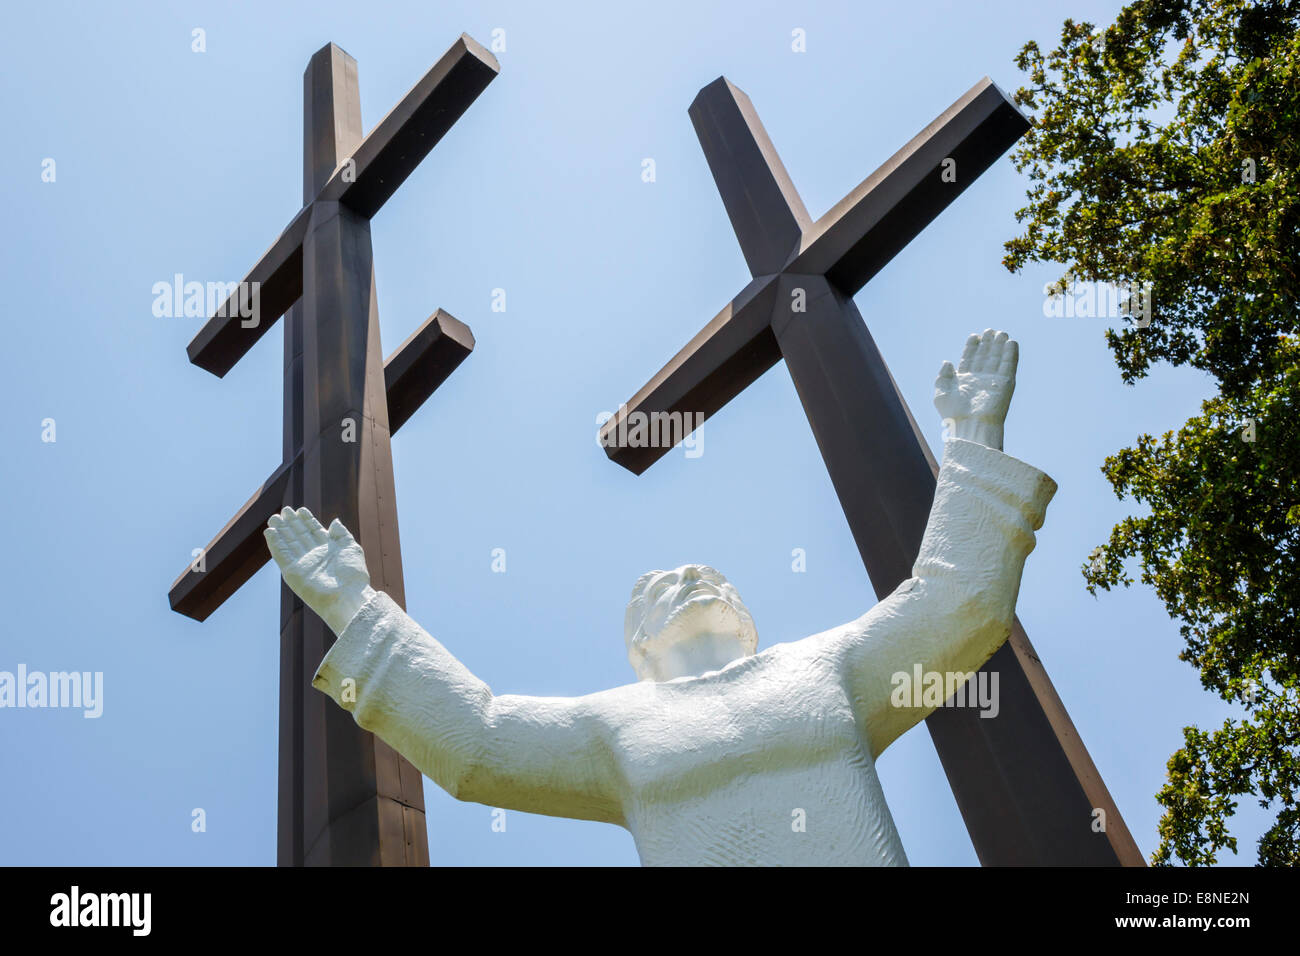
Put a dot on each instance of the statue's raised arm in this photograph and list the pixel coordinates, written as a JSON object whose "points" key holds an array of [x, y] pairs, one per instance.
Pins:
{"points": [[957, 608], [538, 754]]}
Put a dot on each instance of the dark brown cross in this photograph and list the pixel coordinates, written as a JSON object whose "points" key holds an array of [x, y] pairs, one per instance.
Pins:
{"points": [[345, 797], [1023, 780]]}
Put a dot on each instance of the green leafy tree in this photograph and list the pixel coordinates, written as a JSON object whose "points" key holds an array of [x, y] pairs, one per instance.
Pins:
{"points": [[1165, 156]]}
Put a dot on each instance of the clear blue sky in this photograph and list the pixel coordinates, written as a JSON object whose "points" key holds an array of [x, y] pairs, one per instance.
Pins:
{"points": [[173, 161]]}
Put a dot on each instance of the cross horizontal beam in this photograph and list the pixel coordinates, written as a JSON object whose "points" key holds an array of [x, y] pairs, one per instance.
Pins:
{"points": [[277, 277], [728, 354], [411, 374], [422, 363], [397, 144], [848, 245], [363, 183], [863, 231]]}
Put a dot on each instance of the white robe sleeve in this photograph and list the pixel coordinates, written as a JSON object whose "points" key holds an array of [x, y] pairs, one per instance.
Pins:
{"points": [[958, 606], [537, 754]]}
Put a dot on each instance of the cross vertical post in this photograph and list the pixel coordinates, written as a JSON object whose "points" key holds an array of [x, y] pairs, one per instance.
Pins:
{"points": [[348, 791], [345, 797]]}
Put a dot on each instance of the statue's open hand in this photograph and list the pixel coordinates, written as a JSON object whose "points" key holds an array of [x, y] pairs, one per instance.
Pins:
{"points": [[327, 569], [975, 396]]}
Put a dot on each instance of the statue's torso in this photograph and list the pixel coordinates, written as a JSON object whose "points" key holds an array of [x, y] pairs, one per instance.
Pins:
{"points": [[760, 763]]}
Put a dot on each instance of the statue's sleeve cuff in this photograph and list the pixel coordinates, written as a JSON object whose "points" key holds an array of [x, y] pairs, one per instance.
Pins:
{"points": [[1008, 479], [363, 643]]}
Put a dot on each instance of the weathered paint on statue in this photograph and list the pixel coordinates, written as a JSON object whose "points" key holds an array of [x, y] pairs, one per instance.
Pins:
{"points": [[721, 754]]}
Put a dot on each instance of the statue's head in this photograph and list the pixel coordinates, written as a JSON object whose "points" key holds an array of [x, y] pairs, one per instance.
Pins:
{"points": [[686, 622]]}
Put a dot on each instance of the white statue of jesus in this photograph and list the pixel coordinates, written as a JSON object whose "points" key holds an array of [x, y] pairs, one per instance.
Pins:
{"points": [[720, 754]]}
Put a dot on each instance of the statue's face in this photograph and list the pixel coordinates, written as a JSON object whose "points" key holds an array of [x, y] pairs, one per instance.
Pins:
{"points": [[685, 622]]}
